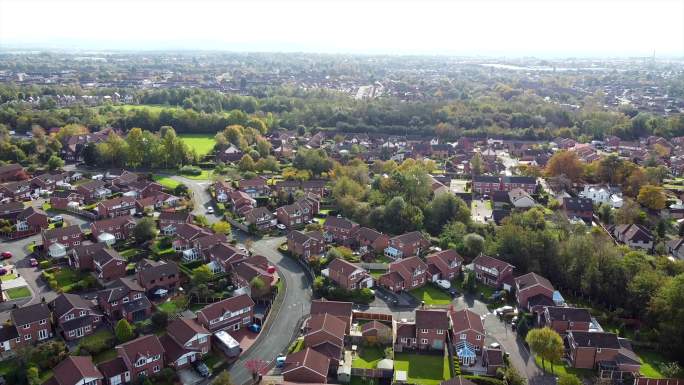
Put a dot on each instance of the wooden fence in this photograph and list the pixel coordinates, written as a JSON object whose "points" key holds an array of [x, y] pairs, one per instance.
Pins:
{"points": [[372, 316], [372, 373]]}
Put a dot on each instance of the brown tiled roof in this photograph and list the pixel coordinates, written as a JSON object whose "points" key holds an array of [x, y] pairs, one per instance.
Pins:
{"points": [[65, 302], [413, 236], [190, 231], [28, 314], [573, 314], [336, 308], [116, 222], [466, 320], [494, 356], [308, 358], [407, 266], [406, 330], [144, 345], [446, 257], [62, 232], [343, 267], [339, 222], [532, 279], [367, 234], [183, 329], [327, 323], [216, 309], [175, 216], [172, 349], [75, 368], [432, 319], [110, 203], [595, 339], [373, 325], [492, 263], [151, 273]]}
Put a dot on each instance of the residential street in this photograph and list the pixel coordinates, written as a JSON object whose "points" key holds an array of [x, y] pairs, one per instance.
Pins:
{"points": [[200, 196]]}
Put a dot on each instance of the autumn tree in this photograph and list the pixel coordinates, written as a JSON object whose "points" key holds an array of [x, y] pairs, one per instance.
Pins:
{"points": [[565, 163], [545, 343], [652, 197]]}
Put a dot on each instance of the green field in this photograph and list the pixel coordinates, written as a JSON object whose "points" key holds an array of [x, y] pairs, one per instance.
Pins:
{"points": [[431, 295], [368, 357], [18, 292], [423, 369], [650, 363], [166, 181], [202, 143]]}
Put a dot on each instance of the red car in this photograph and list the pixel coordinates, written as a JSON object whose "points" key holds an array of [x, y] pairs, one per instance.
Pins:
{"points": [[6, 255], [34, 262]]}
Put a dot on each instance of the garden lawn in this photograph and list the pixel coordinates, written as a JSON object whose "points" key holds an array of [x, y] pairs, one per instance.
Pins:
{"points": [[18, 292], [166, 181], [128, 253], [650, 363], [7, 277], [368, 358], [201, 143], [204, 175], [104, 356], [423, 369], [169, 307], [67, 277], [559, 369], [431, 295], [375, 273]]}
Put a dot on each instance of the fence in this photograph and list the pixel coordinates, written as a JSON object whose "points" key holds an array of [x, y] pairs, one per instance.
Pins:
{"points": [[374, 266], [84, 213], [237, 224], [372, 373], [19, 234], [372, 316], [658, 381]]}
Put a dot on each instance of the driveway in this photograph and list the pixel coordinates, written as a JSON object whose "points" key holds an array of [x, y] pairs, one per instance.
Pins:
{"points": [[480, 210], [283, 323], [200, 196]]}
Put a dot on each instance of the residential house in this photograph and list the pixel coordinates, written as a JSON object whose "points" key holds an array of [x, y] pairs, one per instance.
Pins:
{"points": [[445, 264], [47, 182], [260, 218], [493, 359], [493, 272], [406, 245], [634, 236], [124, 299], [229, 154], [306, 366], [368, 240], [339, 230], [143, 356], [221, 191], [231, 313], [169, 220], [563, 319], [339, 309], [11, 210], [31, 219], [532, 290], [325, 334], [467, 335], [240, 202], [12, 172], [159, 278], [525, 183], [603, 194], [64, 199], [32, 323], [589, 350], [185, 342], [521, 199], [432, 327], [255, 187], [121, 227], [485, 184], [347, 275], [17, 191], [115, 371], [116, 207], [674, 247], [76, 370], [294, 215], [106, 263], [75, 316], [223, 256], [405, 336], [305, 245], [405, 274], [58, 240], [93, 191], [186, 234], [244, 272], [578, 208]]}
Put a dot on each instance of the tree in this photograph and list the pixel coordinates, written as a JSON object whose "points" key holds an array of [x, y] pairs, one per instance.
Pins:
{"points": [[223, 378], [569, 379], [667, 307], [474, 244], [444, 208], [670, 369], [55, 163], [545, 343], [221, 227], [652, 197], [145, 230], [246, 163], [565, 163], [180, 190], [202, 274], [476, 164], [629, 213], [511, 376], [159, 320], [123, 331]]}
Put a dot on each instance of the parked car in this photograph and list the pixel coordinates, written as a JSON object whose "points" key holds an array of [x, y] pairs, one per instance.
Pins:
{"points": [[254, 328], [210, 210], [57, 219], [280, 361], [504, 310], [453, 292], [280, 226], [34, 262], [6, 255], [202, 369], [3, 271], [443, 283]]}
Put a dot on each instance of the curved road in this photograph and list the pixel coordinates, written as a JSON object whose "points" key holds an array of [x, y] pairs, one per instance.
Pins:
{"points": [[282, 323]]}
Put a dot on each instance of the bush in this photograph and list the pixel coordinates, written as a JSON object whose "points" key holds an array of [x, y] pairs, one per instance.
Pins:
{"points": [[190, 170], [482, 380], [93, 345], [44, 264]]}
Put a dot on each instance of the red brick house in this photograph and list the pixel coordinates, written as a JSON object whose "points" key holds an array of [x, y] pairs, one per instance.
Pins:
{"points": [[254, 187], [405, 274], [406, 245], [306, 366], [493, 272], [221, 191], [563, 319], [444, 264], [168, 220], [294, 215], [155, 277], [76, 370], [61, 199], [31, 219], [231, 313], [260, 217], [185, 342], [339, 230], [224, 256], [75, 316], [325, 334], [12, 172], [67, 237], [582, 208], [32, 323], [467, 334], [16, 190], [305, 245], [347, 275], [532, 285], [121, 227], [257, 266], [116, 207], [341, 310], [124, 299], [240, 202], [93, 191], [186, 234], [485, 184], [432, 327], [143, 356], [588, 350], [406, 336], [368, 240]]}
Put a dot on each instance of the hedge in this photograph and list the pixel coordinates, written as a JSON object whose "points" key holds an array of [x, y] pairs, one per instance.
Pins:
{"points": [[482, 380]]}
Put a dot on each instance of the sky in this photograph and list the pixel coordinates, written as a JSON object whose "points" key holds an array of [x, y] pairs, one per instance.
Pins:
{"points": [[542, 28]]}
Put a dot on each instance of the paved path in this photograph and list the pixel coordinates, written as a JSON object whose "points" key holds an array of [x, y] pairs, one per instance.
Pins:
{"points": [[200, 196], [276, 338]]}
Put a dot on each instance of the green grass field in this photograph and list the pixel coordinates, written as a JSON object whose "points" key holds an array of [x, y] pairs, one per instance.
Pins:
{"points": [[202, 143], [18, 292], [559, 369], [650, 363], [166, 181], [423, 369], [8, 277], [431, 295], [368, 358]]}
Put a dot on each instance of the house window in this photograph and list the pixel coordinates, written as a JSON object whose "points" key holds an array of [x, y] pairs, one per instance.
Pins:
{"points": [[124, 299], [203, 340], [423, 341], [423, 330], [71, 333], [598, 350], [83, 313], [572, 324], [27, 337], [17, 340], [236, 327], [27, 326], [137, 296], [463, 336], [42, 322], [156, 368], [246, 320], [403, 339], [440, 331], [478, 337]]}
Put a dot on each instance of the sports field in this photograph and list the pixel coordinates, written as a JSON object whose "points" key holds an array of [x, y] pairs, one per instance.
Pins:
{"points": [[202, 143]]}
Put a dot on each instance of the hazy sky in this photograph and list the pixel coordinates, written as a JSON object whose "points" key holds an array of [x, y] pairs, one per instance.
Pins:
{"points": [[485, 27]]}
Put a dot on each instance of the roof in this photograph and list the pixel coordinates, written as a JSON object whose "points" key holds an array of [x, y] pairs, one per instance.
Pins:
{"points": [[339, 222], [578, 204], [432, 319], [189, 231], [29, 314], [116, 222], [413, 236], [490, 262], [301, 237], [175, 216], [373, 325], [494, 356], [110, 203], [172, 349], [466, 320], [532, 279], [486, 179], [112, 367], [562, 313], [336, 308], [60, 232], [406, 330], [595, 339], [308, 358], [635, 233], [444, 258], [8, 332], [121, 288], [406, 267], [66, 302], [144, 345], [216, 309], [11, 207], [343, 267], [327, 323], [520, 179], [183, 329], [29, 211], [154, 273], [458, 380], [368, 234], [75, 368]]}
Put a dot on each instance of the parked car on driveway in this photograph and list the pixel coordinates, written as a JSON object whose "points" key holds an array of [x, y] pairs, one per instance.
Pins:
{"points": [[57, 219], [202, 369], [6, 255], [3, 271], [210, 210], [443, 283]]}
